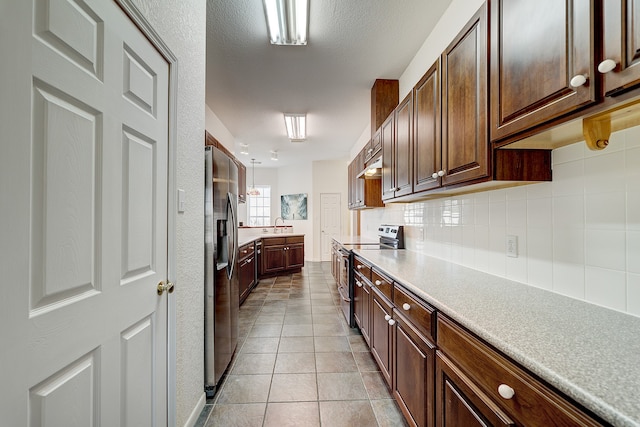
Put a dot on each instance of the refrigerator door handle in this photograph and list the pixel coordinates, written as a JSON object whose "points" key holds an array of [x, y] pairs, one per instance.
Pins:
{"points": [[231, 237]]}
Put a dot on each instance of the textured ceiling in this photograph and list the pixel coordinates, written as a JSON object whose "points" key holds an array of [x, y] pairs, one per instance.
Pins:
{"points": [[250, 83]]}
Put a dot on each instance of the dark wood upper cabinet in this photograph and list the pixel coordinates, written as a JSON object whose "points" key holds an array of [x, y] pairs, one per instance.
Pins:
{"points": [[426, 130], [388, 159], [621, 34], [242, 182], [465, 144], [404, 147], [541, 62], [384, 98]]}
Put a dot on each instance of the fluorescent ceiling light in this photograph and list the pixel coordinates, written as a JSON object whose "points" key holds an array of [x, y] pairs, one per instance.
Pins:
{"points": [[287, 21], [296, 126]]}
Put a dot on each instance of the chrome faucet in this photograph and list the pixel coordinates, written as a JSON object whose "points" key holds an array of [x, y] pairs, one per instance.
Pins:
{"points": [[275, 224]]}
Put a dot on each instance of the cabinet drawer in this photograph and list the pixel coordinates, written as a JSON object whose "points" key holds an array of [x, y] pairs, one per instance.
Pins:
{"points": [[362, 268], [420, 314], [245, 251], [382, 283], [295, 239], [272, 241], [532, 402]]}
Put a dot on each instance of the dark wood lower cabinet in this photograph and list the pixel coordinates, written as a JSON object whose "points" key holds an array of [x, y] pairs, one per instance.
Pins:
{"points": [[282, 255], [381, 333], [362, 307], [460, 403], [413, 374]]}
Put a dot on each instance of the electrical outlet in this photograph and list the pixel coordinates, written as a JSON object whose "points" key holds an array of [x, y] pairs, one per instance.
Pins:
{"points": [[512, 246]]}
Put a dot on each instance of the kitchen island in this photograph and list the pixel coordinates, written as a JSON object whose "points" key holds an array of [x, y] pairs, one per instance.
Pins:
{"points": [[589, 353]]}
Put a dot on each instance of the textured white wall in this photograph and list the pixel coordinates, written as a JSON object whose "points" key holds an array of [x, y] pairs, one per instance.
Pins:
{"points": [[296, 179], [329, 176], [182, 27]]}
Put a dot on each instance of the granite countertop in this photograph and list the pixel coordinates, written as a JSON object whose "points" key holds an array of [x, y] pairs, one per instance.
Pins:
{"points": [[243, 240], [588, 352]]}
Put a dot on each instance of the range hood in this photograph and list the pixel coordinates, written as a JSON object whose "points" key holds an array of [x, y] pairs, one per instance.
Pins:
{"points": [[373, 170]]}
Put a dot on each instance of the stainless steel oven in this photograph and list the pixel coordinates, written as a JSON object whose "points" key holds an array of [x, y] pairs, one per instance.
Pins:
{"points": [[389, 237]]}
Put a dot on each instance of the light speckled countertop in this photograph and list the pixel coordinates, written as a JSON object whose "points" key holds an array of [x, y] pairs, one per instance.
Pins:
{"points": [[590, 353]]}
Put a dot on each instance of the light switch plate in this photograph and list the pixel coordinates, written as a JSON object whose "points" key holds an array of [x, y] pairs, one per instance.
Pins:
{"points": [[512, 246]]}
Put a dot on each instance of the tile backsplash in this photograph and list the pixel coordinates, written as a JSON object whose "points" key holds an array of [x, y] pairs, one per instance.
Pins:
{"points": [[578, 235]]}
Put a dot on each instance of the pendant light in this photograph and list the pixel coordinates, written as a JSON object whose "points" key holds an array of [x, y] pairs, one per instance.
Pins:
{"points": [[253, 191]]}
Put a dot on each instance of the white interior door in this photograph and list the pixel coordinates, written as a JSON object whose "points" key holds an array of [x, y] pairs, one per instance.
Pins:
{"points": [[83, 178], [329, 221]]}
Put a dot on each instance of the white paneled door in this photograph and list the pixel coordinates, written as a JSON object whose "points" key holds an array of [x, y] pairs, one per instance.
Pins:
{"points": [[83, 180], [329, 221]]}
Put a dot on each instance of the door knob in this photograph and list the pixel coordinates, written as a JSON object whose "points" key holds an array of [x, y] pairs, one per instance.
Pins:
{"points": [[165, 287]]}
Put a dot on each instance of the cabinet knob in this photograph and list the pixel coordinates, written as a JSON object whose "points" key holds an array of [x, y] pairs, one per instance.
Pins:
{"points": [[434, 175], [578, 80], [505, 391], [387, 317], [358, 284], [359, 267], [378, 283], [406, 306], [392, 322], [440, 173], [607, 65]]}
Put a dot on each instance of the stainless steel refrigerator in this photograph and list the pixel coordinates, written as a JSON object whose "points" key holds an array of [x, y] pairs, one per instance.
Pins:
{"points": [[220, 273]]}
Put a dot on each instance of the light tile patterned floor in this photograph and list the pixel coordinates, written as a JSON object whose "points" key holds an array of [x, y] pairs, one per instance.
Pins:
{"points": [[299, 364]]}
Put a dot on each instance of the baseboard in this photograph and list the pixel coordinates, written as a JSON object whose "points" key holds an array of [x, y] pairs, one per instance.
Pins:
{"points": [[195, 414]]}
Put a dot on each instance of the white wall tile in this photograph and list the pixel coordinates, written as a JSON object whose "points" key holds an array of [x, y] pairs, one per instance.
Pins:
{"points": [[482, 248], [516, 268], [538, 191], [633, 210], [606, 287], [568, 211], [540, 213], [568, 178], [631, 137], [498, 214], [497, 249], [603, 170], [516, 213], [633, 251], [632, 169], [605, 249], [568, 153], [482, 213], [568, 245], [605, 210], [633, 294], [540, 257], [568, 279]]}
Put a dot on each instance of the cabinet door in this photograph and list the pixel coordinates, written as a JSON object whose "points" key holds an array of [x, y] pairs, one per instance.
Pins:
{"points": [[357, 300], [536, 49], [621, 44], [273, 258], [426, 130], [465, 148], [413, 375], [388, 159], [403, 147], [380, 334], [295, 255], [365, 326], [242, 182], [359, 182], [460, 403], [351, 184]]}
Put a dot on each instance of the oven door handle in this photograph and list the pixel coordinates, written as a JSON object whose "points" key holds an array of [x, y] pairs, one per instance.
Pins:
{"points": [[342, 295]]}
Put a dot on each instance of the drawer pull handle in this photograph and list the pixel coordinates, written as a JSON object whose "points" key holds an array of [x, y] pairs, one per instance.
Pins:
{"points": [[387, 317], [578, 80], [392, 322], [378, 283], [506, 391], [406, 306], [607, 65]]}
